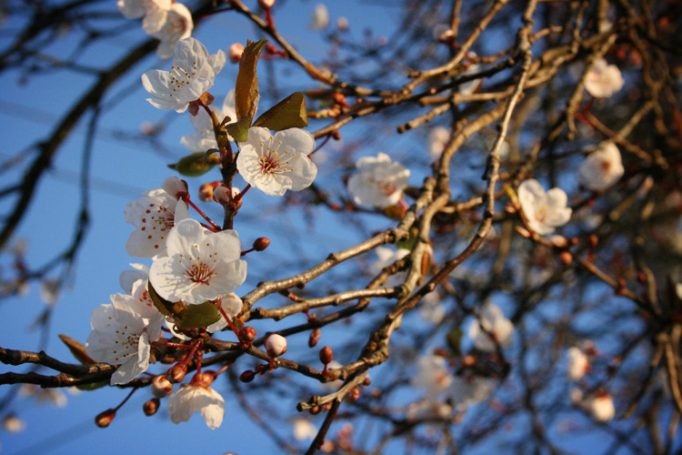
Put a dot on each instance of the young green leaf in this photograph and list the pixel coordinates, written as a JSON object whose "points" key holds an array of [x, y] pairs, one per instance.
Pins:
{"points": [[194, 165], [77, 349], [288, 113]]}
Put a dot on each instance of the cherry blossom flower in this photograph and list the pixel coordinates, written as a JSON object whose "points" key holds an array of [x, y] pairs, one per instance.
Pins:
{"points": [[54, 397], [175, 186], [427, 409], [602, 168], [493, 321], [378, 181], [578, 363], [601, 407], [387, 256], [153, 215], [120, 336], [191, 398], [277, 164], [199, 265], [468, 88], [192, 73], [230, 304], [203, 137], [438, 138], [13, 424], [127, 278], [177, 26], [468, 389], [603, 80], [303, 429], [545, 211], [320, 19], [432, 375], [154, 12], [431, 309]]}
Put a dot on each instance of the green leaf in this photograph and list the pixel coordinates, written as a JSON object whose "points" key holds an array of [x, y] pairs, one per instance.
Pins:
{"points": [[454, 339], [164, 306], [246, 87], [288, 113], [92, 386], [239, 130], [194, 316], [77, 349], [194, 165]]}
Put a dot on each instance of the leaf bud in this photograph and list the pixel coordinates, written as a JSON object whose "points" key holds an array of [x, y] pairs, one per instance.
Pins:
{"points": [[326, 355], [276, 345], [150, 406], [161, 386], [104, 418]]}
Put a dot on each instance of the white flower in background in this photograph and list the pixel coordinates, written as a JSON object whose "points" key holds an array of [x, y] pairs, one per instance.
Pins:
{"points": [[603, 80], [320, 19], [191, 398], [602, 168], [175, 186], [427, 409], [193, 73], [178, 25], [387, 256], [203, 137], [49, 291], [467, 390], [127, 278], [231, 304], [342, 23], [545, 211], [199, 265], [601, 407], [578, 363], [431, 309], [277, 164], [303, 429], [438, 139], [493, 321], [122, 337], [54, 397], [154, 12], [470, 87], [432, 375], [153, 215], [378, 181], [335, 384], [13, 424]]}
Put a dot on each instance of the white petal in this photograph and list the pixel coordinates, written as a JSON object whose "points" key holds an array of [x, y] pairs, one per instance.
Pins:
{"points": [[296, 138]]}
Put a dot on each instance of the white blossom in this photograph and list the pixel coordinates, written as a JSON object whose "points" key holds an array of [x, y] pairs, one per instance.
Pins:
{"points": [[320, 19], [432, 375], [49, 291], [231, 304], [203, 137], [13, 424], [387, 256], [544, 211], [192, 398], [431, 309], [578, 363], [127, 278], [153, 11], [153, 215], [468, 88], [54, 397], [199, 265], [467, 390], [427, 409], [276, 345], [601, 406], [178, 25], [192, 73], [122, 337], [603, 80], [303, 429], [378, 181], [175, 186], [602, 168], [438, 138], [277, 164], [493, 321]]}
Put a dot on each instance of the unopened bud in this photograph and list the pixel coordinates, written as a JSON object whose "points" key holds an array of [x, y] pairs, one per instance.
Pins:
{"points": [[175, 187], [276, 345], [161, 386], [315, 410], [236, 51], [247, 376], [261, 243], [593, 241], [566, 258], [178, 372], [247, 334], [315, 335], [151, 406], [326, 355], [266, 4], [204, 379], [559, 241], [355, 394], [342, 23], [206, 191], [367, 381], [104, 418]]}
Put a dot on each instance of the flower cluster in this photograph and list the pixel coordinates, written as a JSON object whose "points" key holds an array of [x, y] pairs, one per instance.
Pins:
{"points": [[378, 181]]}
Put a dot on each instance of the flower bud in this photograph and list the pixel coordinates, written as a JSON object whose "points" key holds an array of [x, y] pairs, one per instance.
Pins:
{"points": [[236, 51], [566, 258], [593, 241], [247, 376], [342, 24], [104, 418], [326, 355], [261, 243], [161, 386], [247, 334], [206, 191], [204, 379], [314, 337], [175, 187], [151, 406], [354, 394], [178, 372], [276, 345], [223, 196], [266, 4]]}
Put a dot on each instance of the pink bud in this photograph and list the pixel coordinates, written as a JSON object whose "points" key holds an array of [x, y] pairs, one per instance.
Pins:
{"points": [[266, 4], [175, 187], [276, 345], [222, 195], [236, 51]]}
